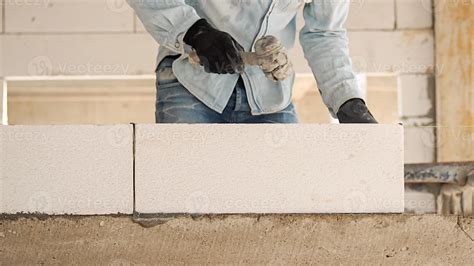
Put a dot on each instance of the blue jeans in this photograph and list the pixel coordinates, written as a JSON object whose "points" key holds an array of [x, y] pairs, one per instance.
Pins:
{"points": [[175, 104]]}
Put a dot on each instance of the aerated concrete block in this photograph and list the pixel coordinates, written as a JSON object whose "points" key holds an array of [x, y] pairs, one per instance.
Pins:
{"points": [[3, 115], [371, 14], [414, 14], [224, 169], [407, 51], [420, 144], [2, 57], [78, 54], [82, 170], [1, 18], [420, 202], [417, 96], [54, 16]]}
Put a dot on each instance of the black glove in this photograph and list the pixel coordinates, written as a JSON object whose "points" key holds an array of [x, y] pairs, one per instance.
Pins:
{"points": [[218, 52], [355, 111]]}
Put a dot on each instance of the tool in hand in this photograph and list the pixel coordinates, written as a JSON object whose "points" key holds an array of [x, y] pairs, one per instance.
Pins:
{"points": [[270, 55]]}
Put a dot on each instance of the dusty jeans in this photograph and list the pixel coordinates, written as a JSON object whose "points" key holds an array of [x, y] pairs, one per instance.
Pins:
{"points": [[175, 104]]}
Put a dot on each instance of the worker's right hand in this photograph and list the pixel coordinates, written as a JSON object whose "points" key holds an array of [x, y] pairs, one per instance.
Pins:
{"points": [[218, 52]]}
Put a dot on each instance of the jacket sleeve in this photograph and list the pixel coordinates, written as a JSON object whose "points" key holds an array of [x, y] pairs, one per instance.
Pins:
{"points": [[166, 20], [325, 46]]}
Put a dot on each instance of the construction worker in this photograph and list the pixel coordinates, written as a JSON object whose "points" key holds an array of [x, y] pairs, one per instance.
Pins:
{"points": [[226, 91]]}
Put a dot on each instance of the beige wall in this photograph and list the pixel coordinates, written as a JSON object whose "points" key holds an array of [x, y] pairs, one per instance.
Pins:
{"points": [[114, 101]]}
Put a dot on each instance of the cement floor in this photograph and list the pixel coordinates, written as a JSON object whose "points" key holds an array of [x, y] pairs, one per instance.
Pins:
{"points": [[267, 239]]}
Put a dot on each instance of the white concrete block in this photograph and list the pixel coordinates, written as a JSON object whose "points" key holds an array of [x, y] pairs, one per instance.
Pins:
{"points": [[81, 170], [420, 202], [392, 51], [269, 169], [68, 16], [371, 14], [2, 56], [420, 144], [1, 18], [417, 93], [79, 54], [3, 102], [414, 14]]}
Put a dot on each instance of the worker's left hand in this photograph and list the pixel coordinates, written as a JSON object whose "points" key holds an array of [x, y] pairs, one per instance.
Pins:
{"points": [[355, 111]]}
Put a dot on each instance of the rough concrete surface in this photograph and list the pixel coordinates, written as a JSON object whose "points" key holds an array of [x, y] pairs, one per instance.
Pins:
{"points": [[66, 169], [275, 239], [228, 169]]}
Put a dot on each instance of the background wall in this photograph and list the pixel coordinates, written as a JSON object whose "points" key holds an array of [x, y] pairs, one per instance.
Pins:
{"points": [[392, 41]]}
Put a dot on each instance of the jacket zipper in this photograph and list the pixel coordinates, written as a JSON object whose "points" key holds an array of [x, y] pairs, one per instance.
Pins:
{"points": [[264, 24]]}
